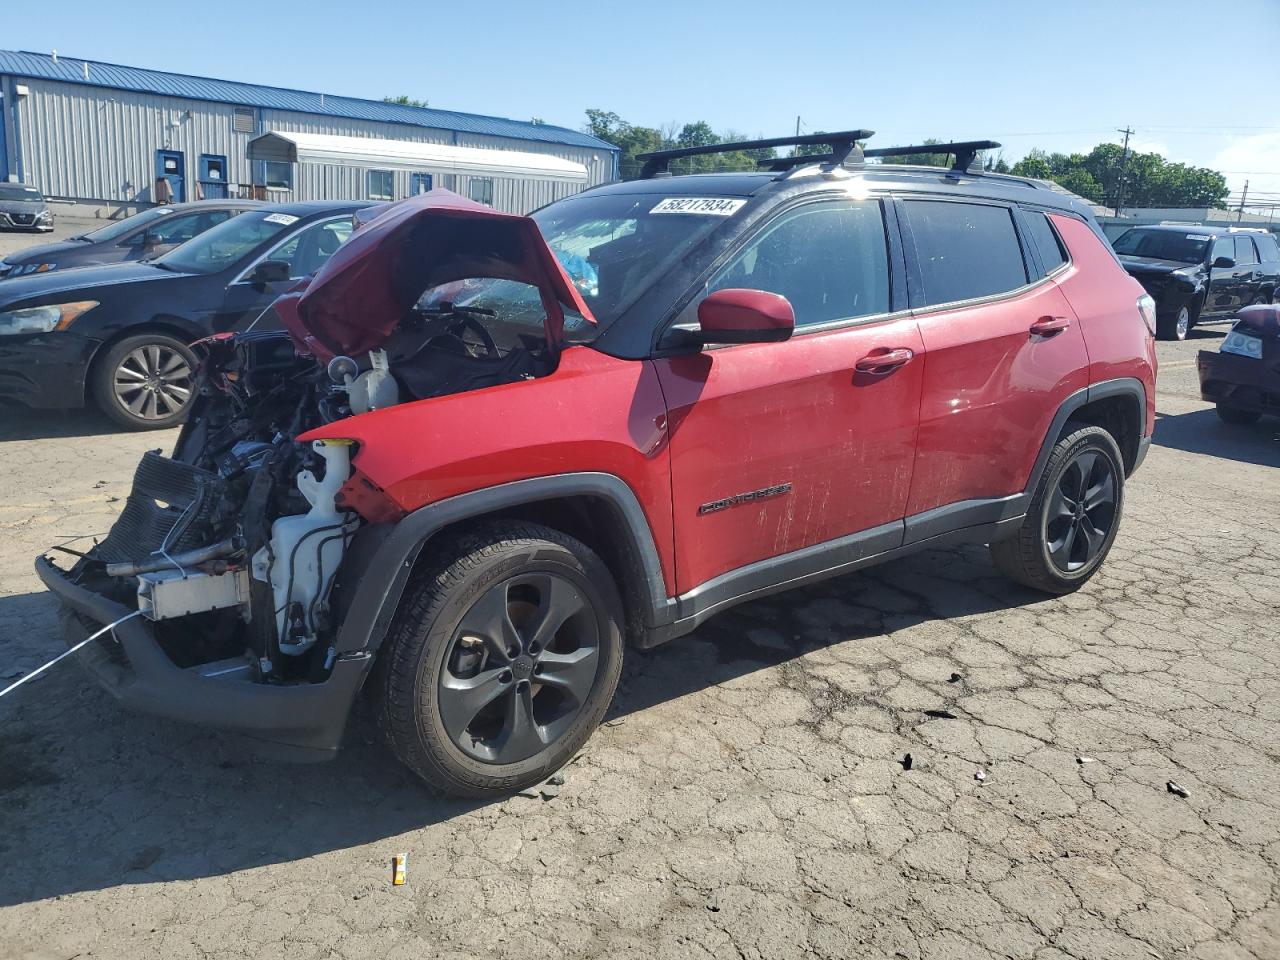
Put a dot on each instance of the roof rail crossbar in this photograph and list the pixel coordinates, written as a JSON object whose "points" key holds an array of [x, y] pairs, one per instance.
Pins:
{"points": [[841, 144], [965, 151]]}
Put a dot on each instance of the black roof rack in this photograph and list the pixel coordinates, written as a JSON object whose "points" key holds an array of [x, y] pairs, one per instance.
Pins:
{"points": [[841, 145], [966, 151]]}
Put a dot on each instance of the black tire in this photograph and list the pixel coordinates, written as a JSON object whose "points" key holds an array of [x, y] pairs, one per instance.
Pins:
{"points": [[145, 382], [1030, 557], [422, 677], [1177, 325], [1235, 415]]}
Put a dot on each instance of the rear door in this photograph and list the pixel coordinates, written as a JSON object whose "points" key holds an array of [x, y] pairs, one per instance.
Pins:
{"points": [[1248, 272], [1002, 351], [776, 447], [1224, 288]]}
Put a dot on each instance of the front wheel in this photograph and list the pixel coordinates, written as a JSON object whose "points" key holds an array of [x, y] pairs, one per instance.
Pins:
{"points": [[503, 658], [1176, 326], [145, 382], [1073, 518]]}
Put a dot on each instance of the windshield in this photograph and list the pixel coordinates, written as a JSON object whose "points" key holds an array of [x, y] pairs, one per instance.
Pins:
{"points": [[17, 191], [1162, 245], [613, 246], [222, 246], [113, 230]]}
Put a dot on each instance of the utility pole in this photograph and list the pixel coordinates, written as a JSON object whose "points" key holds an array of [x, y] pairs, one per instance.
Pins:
{"points": [[1124, 168], [1244, 195], [795, 151]]}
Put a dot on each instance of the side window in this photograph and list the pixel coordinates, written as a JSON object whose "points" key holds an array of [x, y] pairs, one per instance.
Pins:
{"points": [[1268, 248], [1223, 247], [830, 260], [305, 252], [1046, 239], [175, 229], [966, 250], [1244, 251]]}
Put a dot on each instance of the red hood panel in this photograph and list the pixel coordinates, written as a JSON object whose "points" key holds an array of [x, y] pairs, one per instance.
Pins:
{"points": [[362, 292]]}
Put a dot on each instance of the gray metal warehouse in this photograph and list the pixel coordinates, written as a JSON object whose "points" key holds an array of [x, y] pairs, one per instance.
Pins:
{"points": [[100, 133]]}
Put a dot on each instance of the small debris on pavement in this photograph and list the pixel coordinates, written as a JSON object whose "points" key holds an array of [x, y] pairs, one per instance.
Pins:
{"points": [[144, 858], [906, 761], [941, 714], [398, 866], [1086, 759], [551, 788], [980, 775], [954, 678], [713, 903], [1178, 789]]}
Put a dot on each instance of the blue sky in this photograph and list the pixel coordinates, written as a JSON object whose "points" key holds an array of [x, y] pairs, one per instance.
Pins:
{"points": [[1062, 76]]}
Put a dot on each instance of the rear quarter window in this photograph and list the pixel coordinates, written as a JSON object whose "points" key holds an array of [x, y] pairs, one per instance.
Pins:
{"points": [[965, 250], [1268, 248], [1048, 243]]}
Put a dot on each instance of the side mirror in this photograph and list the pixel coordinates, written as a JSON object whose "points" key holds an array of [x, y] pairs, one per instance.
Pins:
{"points": [[745, 316], [270, 271], [1223, 263]]}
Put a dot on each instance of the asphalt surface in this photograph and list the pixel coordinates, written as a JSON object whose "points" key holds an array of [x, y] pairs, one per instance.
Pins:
{"points": [[747, 797]]}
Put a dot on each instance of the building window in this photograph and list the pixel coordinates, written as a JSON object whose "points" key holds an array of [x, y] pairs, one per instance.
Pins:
{"points": [[381, 184], [481, 190], [278, 175]]}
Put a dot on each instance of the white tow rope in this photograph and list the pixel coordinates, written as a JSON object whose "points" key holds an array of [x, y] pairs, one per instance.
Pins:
{"points": [[35, 673]]}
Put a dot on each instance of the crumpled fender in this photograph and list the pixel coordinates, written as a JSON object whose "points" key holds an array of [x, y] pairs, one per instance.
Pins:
{"points": [[361, 293]]}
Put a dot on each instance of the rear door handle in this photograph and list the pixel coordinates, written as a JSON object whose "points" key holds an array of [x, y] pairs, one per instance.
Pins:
{"points": [[884, 362], [1049, 326]]}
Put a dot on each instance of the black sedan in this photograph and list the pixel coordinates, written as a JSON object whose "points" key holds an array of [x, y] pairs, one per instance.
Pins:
{"points": [[144, 236], [118, 334]]}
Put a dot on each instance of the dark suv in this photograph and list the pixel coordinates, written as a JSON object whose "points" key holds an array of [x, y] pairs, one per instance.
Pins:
{"points": [[1194, 273], [491, 450]]}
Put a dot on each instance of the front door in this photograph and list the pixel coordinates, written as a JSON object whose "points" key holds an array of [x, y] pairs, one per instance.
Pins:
{"points": [[246, 301], [171, 169], [1004, 350], [777, 447], [213, 176]]}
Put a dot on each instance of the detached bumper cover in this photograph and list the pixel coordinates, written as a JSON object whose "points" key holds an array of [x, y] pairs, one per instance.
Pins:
{"points": [[1241, 382], [306, 719]]}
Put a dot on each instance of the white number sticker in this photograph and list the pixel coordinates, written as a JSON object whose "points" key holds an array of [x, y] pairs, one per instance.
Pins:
{"points": [[702, 206], [283, 219]]}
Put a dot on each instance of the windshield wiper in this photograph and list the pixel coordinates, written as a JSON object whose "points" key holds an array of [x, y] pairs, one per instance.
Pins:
{"points": [[446, 307]]}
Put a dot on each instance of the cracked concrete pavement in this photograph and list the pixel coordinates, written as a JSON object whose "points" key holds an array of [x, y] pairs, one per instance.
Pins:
{"points": [[747, 797]]}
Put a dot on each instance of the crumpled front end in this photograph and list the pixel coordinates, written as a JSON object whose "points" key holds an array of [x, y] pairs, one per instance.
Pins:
{"points": [[241, 552]]}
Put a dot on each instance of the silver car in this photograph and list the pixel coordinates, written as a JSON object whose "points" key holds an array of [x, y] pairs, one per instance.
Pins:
{"points": [[23, 207]]}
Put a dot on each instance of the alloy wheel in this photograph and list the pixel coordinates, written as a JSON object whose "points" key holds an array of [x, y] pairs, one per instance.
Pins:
{"points": [[520, 668], [152, 382], [1184, 322], [1081, 511]]}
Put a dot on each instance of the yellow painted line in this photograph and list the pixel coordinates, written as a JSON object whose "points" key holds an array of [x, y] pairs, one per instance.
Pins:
{"points": [[1175, 366]]}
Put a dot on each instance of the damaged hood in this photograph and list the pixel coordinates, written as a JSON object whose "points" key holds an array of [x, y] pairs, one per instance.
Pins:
{"points": [[355, 301]]}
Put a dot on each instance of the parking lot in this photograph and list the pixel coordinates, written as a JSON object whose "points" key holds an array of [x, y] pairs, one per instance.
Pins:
{"points": [[749, 795]]}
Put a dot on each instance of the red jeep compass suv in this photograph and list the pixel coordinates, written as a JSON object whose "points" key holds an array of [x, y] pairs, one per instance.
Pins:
{"points": [[487, 451]]}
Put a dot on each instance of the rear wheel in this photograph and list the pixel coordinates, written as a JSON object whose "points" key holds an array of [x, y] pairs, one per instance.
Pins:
{"points": [[1074, 515], [145, 382], [1229, 414], [503, 659]]}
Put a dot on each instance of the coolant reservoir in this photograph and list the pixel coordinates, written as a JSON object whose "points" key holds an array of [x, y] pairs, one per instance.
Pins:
{"points": [[306, 550]]}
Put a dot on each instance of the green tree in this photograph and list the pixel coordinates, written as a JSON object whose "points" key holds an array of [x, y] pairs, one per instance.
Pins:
{"points": [[921, 159], [1106, 176], [632, 140], [405, 101]]}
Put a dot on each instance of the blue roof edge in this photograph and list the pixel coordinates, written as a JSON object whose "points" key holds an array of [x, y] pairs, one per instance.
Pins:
{"points": [[40, 66]]}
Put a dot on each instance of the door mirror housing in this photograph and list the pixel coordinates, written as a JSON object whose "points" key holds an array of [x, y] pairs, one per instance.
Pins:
{"points": [[270, 271], [745, 316], [1223, 263]]}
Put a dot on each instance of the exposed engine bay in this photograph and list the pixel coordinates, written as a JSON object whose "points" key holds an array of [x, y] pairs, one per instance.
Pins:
{"points": [[234, 546]]}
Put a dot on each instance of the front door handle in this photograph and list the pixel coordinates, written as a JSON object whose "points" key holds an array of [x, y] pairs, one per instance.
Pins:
{"points": [[1049, 326], [884, 362]]}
